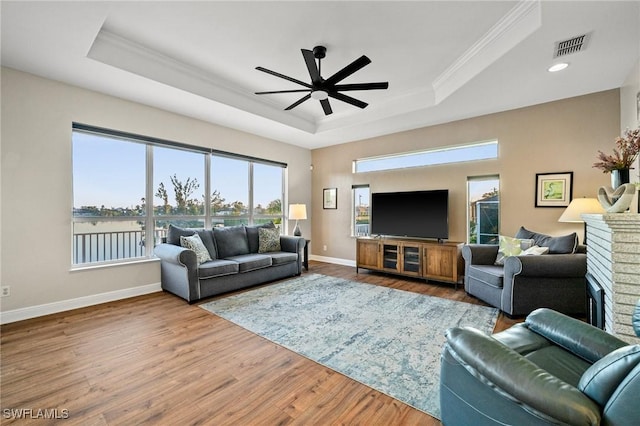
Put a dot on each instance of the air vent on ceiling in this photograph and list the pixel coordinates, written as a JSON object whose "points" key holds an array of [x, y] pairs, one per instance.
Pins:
{"points": [[572, 45]]}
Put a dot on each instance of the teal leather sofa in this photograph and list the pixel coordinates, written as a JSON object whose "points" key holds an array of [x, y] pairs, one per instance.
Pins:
{"points": [[551, 369]]}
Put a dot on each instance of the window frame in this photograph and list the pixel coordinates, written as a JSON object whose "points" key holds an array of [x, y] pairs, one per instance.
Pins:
{"points": [[354, 189], [445, 153], [149, 216]]}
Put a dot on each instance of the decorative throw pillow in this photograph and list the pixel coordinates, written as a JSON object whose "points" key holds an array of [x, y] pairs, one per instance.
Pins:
{"points": [[535, 251], [511, 247], [268, 240], [565, 244], [194, 243]]}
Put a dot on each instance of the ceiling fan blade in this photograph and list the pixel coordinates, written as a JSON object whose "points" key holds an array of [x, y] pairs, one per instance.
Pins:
{"points": [[298, 102], [361, 86], [310, 60], [326, 106], [348, 70], [277, 74], [348, 99], [281, 91]]}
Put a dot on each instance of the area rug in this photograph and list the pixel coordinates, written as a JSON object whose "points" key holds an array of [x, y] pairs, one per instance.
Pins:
{"points": [[387, 339]]}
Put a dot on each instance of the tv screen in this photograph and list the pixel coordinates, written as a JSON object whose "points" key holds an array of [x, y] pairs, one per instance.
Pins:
{"points": [[418, 214]]}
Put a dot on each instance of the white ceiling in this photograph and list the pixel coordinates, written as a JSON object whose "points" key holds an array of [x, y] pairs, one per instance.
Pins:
{"points": [[444, 60]]}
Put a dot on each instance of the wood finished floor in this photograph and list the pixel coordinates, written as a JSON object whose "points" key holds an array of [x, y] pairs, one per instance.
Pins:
{"points": [[155, 359]]}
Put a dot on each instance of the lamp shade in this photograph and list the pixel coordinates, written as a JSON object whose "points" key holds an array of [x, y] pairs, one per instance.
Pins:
{"points": [[297, 211], [578, 207]]}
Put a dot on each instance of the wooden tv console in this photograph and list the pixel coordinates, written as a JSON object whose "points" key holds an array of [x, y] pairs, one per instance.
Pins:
{"points": [[423, 259]]}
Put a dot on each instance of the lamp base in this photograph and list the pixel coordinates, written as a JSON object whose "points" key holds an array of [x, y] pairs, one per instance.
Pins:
{"points": [[296, 230]]}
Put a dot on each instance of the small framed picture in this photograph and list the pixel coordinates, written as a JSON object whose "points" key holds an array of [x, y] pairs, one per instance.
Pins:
{"points": [[330, 198], [554, 189]]}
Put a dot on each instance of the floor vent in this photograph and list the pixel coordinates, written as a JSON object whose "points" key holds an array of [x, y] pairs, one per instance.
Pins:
{"points": [[572, 45]]}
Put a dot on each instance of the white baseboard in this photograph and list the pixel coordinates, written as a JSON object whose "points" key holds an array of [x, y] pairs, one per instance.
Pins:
{"points": [[80, 302], [335, 260]]}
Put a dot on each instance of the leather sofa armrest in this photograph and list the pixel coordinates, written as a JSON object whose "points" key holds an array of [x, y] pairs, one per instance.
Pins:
{"points": [[546, 266], [515, 377], [479, 254], [577, 337], [177, 255]]}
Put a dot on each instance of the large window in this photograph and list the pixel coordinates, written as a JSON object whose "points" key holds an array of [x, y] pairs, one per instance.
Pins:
{"points": [[483, 194], [360, 216], [127, 189]]}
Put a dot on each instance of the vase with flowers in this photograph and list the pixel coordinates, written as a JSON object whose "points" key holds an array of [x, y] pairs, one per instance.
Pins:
{"points": [[624, 154]]}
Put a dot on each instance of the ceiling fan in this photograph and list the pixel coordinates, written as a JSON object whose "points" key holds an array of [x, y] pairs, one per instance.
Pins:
{"points": [[322, 89]]}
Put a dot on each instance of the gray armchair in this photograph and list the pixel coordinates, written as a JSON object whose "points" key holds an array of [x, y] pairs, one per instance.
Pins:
{"points": [[525, 283], [551, 369]]}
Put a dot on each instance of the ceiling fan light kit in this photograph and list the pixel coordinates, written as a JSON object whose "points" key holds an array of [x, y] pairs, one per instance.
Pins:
{"points": [[321, 89]]}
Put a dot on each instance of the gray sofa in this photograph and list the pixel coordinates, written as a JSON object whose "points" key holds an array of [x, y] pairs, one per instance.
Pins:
{"points": [[235, 261], [551, 369], [524, 283]]}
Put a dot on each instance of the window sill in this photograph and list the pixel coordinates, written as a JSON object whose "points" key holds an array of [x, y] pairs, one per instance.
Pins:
{"points": [[93, 266]]}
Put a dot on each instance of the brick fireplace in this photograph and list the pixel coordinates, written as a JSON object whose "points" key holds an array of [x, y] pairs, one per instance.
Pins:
{"points": [[613, 263]]}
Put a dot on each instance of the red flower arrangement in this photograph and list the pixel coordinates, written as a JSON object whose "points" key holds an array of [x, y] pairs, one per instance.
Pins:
{"points": [[624, 154]]}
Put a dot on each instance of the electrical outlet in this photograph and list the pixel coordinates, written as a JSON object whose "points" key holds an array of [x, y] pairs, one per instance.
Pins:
{"points": [[6, 291], [324, 248]]}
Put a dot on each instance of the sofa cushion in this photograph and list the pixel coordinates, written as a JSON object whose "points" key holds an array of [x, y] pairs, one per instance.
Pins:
{"points": [[489, 274], [268, 240], [217, 268], [253, 237], [559, 363], [250, 262], [565, 244], [601, 380], [282, 257], [175, 232], [193, 242], [511, 247], [231, 241]]}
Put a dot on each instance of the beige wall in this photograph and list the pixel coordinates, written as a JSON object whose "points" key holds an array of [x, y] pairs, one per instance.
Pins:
{"points": [[555, 137], [36, 194], [630, 116]]}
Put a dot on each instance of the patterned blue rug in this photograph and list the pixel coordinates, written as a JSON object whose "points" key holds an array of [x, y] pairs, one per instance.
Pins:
{"points": [[385, 338]]}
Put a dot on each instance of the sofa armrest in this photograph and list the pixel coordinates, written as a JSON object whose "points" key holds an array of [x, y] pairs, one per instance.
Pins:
{"points": [[291, 243], [515, 377], [577, 337], [179, 270], [546, 266], [176, 254], [479, 254]]}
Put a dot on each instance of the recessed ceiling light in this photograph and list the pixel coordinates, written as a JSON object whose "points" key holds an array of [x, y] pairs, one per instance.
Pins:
{"points": [[558, 67]]}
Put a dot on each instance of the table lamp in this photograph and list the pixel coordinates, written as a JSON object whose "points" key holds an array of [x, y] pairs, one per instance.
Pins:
{"points": [[297, 212], [579, 206]]}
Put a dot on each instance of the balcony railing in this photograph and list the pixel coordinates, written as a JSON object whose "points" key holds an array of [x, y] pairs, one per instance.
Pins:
{"points": [[362, 229], [106, 246]]}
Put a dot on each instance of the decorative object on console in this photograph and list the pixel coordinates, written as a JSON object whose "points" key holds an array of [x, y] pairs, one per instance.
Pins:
{"points": [[624, 154], [554, 189], [616, 200], [578, 207], [297, 212]]}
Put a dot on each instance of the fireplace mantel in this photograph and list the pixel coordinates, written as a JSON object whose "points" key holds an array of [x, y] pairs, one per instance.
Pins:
{"points": [[613, 258]]}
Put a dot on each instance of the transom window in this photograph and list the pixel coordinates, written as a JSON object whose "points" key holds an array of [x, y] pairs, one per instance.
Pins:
{"points": [[446, 155]]}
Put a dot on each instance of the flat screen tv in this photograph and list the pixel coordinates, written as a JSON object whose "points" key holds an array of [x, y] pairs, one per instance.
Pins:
{"points": [[417, 214]]}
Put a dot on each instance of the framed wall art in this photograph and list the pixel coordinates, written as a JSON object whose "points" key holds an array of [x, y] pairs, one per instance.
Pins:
{"points": [[330, 198], [554, 189]]}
